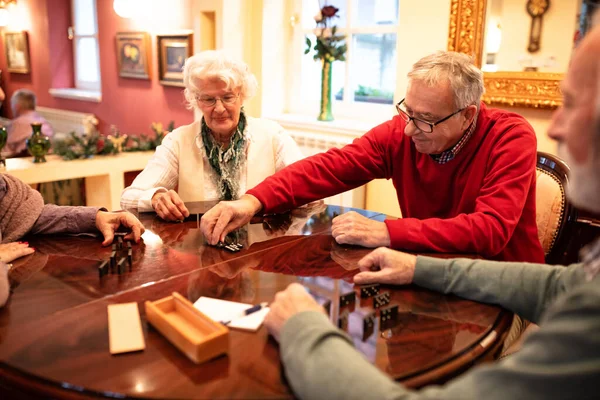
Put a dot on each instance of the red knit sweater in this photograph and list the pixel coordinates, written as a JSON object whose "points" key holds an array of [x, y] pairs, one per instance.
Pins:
{"points": [[481, 202]]}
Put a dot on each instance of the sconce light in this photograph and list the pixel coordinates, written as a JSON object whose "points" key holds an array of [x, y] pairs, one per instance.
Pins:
{"points": [[4, 14], [126, 8]]}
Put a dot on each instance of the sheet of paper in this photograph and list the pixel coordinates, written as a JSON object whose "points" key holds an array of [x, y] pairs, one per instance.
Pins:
{"points": [[223, 310]]}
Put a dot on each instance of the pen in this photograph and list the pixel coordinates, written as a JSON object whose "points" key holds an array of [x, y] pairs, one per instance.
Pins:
{"points": [[248, 311]]}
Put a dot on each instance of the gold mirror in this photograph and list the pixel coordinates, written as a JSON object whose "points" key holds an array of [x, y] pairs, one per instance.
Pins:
{"points": [[498, 34]]}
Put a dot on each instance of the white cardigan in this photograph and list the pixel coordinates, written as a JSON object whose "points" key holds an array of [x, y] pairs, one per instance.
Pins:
{"points": [[180, 162]]}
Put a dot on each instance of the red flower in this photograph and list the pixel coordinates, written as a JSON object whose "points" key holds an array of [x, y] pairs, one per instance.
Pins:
{"points": [[329, 11], [99, 145]]}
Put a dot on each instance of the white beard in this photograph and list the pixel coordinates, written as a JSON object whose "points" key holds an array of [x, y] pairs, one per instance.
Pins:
{"points": [[583, 189]]}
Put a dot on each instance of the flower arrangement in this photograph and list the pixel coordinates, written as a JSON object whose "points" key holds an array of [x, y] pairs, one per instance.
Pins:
{"points": [[329, 46], [91, 143], [144, 143]]}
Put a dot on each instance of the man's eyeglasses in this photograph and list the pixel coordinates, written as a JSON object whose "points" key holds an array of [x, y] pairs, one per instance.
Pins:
{"points": [[423, 126], [211, 101]]}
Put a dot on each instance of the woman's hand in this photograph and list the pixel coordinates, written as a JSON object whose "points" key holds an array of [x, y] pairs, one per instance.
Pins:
{"points": [[11, 251], [169, 206]]}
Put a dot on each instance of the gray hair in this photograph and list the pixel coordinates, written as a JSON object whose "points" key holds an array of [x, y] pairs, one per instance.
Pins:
{"points": [[216, 64], [25, 98], [466, 80]]}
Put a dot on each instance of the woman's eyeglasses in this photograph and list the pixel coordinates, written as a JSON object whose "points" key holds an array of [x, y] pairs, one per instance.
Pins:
{"points": [[211, 101]]}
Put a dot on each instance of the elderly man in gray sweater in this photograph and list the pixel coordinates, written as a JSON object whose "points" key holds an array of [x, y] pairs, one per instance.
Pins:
{"points": [[559, 361]]}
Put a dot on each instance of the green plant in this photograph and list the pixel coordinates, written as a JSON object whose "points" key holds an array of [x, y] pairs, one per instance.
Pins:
{"points": [[367, 91], [91, 144], [328, 46]]}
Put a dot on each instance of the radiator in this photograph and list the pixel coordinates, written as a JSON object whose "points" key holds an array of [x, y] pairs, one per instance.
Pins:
{"points": [[313, 143], [64, 122]]}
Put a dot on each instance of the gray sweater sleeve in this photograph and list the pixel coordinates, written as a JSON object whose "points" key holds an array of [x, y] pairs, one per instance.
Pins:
{"points": [[66, 219], [560, 361], [523, 288]]}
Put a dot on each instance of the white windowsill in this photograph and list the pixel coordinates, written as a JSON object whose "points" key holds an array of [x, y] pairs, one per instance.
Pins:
{"points": [[77, 94], [345, 127]]}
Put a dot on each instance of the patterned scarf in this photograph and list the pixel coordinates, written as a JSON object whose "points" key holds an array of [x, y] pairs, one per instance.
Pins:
{"points": [[226, 162]]}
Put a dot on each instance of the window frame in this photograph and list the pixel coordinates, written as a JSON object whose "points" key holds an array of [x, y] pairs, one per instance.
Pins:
{"points": [[85, 85], [347, 107]]}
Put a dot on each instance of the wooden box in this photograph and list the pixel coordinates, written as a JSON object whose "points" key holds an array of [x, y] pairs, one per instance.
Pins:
{"points": [[192, 332]]}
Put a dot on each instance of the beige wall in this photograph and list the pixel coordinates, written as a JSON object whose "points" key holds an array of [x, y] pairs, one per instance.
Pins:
{"points": [[558, 30]]}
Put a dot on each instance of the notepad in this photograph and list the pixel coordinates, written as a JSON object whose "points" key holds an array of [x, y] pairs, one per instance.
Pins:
{"points": [[223, 310]]}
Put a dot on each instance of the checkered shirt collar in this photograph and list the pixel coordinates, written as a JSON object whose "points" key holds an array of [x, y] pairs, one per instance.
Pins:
{"points": [[449, 154]]}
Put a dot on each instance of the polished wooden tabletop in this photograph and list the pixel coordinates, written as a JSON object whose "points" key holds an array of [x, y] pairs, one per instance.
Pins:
{"points": [[54, 329]]}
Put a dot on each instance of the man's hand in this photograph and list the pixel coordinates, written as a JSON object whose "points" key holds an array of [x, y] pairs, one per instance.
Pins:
{"points": [[227, 216], [169, 206], [396, 268], [353, 228], [291, 301], [108, 222], [11, 251]]}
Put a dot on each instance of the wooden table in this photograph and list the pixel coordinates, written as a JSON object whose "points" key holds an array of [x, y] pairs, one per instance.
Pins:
{"points": [[103, 175], [54, 334]]}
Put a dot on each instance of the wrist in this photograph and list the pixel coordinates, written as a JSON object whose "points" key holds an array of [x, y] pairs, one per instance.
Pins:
{"points": [[412, 264], [157, 192], [254, 203], [384, 235]]}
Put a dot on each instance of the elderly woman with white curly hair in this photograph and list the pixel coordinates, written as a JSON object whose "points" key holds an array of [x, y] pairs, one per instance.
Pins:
{"points": [[218, 157]]}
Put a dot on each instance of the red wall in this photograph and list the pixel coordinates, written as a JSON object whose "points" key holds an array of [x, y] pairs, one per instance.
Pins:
{"points": [[130, 104]]}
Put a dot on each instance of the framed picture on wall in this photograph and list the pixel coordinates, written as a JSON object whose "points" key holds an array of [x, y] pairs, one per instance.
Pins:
{"points": [[16, 47], [173, 50], [133, 54]]}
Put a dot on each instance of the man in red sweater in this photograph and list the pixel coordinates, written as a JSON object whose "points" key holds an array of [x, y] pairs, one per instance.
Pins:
{"points": [[464, 173]]}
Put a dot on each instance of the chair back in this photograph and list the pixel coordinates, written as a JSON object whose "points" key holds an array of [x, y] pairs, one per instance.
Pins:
{"points": [[555, 216]]}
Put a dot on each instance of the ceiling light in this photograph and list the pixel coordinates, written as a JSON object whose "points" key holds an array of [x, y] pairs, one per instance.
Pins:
{"points": [[126, 8]]}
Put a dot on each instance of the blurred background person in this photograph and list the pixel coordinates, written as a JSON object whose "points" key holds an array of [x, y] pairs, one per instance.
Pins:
{"points": [[23, 103]]}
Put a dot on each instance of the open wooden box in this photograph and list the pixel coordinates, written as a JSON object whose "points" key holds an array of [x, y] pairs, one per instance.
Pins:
{"points": [[192, 332]]}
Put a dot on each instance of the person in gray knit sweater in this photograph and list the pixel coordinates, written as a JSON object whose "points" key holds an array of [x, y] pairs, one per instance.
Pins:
{"points": [[22, 211], [559, 361]]}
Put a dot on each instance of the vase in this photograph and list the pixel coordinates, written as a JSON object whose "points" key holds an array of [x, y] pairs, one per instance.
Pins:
{"points": [[38, 144], [3, 138], [325, 113]]}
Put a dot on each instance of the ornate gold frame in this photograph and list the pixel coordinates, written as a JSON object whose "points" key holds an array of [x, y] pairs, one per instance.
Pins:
{"points": [[523, 89]]}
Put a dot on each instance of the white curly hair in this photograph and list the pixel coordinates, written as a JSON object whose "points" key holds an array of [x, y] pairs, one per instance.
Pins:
{"points": [[217, 65]]}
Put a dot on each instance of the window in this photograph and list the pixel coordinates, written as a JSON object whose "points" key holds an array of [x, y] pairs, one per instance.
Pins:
{"points": [[367, 79], [85, 45]]}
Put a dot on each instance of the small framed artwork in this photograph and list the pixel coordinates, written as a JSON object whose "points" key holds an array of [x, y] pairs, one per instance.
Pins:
{"points": [[16, 46], [133, 54], [173, 50]]}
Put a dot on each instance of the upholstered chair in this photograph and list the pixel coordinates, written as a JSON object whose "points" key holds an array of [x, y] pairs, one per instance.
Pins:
{"points": [[555, 219], [555, 215]]}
